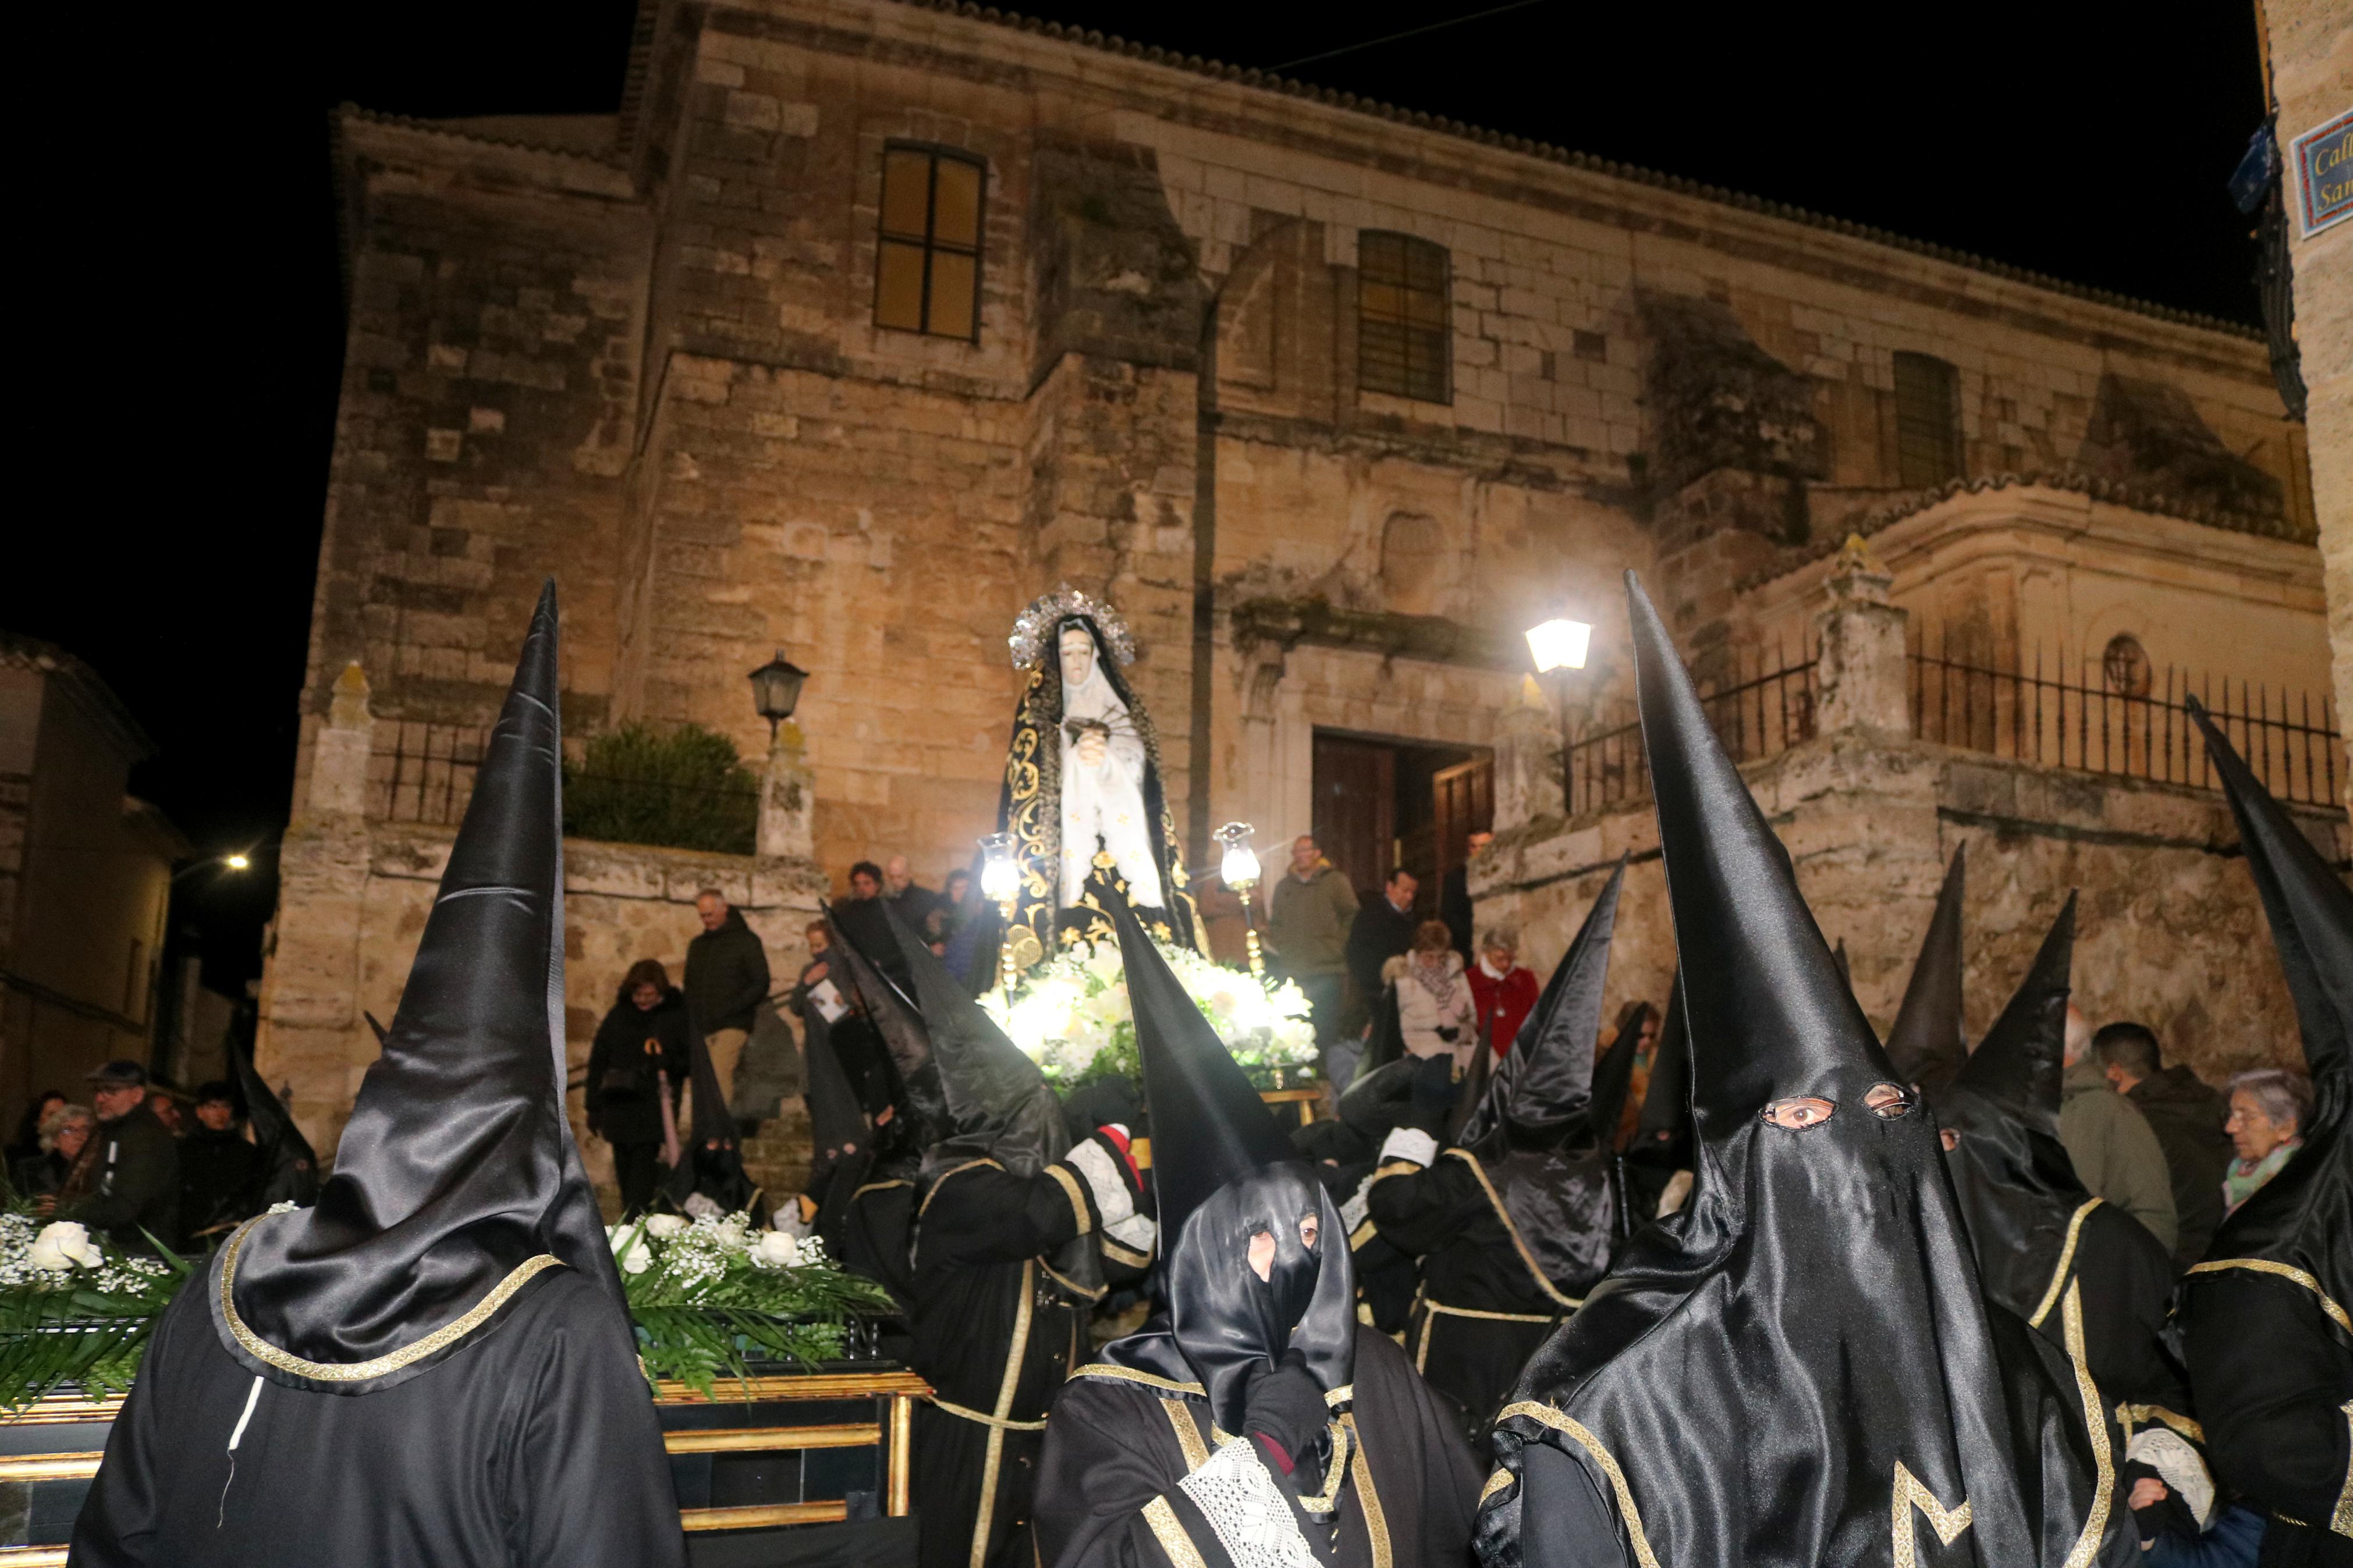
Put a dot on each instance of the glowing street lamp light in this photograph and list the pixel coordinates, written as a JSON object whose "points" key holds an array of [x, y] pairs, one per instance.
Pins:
{"points": [[1559, 646], [237, 862], [1000, 882], [1238, 870]]}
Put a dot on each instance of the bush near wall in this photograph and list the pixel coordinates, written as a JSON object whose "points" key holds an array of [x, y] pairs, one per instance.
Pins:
{"points": [[682, 786]]}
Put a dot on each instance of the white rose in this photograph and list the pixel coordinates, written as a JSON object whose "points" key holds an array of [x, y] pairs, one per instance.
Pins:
{"points": [[63, 1245], [665, 1224], [636, 1259], [774, 1249]]}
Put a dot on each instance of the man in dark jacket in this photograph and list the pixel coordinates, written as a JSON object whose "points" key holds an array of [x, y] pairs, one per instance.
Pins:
{"points": [[220, 1170], [726, 978], [137, 1193], [1382, 930], [2187, 1116]]}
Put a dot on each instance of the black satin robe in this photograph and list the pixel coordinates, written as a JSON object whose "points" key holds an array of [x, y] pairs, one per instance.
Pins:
{"points": [[981, 1299], [534, 1444], [1115, 1446], [2274, 1384], [1469, 1262]]}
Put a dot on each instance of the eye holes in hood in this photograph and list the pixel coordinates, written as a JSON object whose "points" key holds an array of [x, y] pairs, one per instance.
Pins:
{"points": [[1800, 1113]]}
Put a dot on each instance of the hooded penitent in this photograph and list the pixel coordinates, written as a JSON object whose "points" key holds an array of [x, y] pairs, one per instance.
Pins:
{"points": [[1927, 1042], [870, 968], [2301, 1219], [2266, 1319], [1543, 1133], [1662, 1145], [1223, 1172], [457, 1180], [2035, 1227], [715, 1153], [998, 1104], [1797, 1368]]}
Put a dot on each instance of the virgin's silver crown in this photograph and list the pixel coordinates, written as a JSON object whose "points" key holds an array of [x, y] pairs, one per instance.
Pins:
{"points": [[1035, 625]]}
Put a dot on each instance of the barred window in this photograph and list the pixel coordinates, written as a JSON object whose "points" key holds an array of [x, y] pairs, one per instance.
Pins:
{"points": [[927, 263], [1404, 345], [1927, 421]]}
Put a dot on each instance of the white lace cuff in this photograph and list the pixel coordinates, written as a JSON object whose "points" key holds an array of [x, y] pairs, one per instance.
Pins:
{"points": [[1409, 1143], [1114, 1200], [1247, 1509]]}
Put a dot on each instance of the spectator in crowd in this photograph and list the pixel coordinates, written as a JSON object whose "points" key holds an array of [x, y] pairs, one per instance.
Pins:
{"points": [[2170, 1533], [1504, 992], [866, 880], [26, 1144], [131, 1189], [1454, 896], [57, 1145], [2269, 1109], [2116, 1154], [1643, 1020], [912, 901], [1382, 930], [2186, 1116], [166, 1108], [220, 1170], [1309, 909], [948, 914], [726, 978], [812, 974], [635, 1070], [1436, 1015]]}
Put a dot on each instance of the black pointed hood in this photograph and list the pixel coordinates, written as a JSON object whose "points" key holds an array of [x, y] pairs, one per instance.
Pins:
{"points": [[1546, 1081], [1223, 1171], [291, 1165], [1665, 1121], [715, 1153], [1544, 1133], [1928, 1041], [861, 946], [457, 1181], [2017, 1188], [836, 1118], [1814, 1310], [2303, 1217]]}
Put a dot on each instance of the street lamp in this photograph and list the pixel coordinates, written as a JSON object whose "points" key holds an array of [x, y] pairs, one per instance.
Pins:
{"points": [[1000, 881], [234, 860], [777, 691], [237, 862], [1239, 870], [1558, 648]]}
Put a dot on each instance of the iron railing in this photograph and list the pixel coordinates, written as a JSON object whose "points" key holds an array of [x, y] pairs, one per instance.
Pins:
{"points": [[2037, 716], [422, 772], [1756, 716]]}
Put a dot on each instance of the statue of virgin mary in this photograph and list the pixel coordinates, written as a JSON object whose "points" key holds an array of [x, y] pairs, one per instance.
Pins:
{"points": [[1083, 798]]}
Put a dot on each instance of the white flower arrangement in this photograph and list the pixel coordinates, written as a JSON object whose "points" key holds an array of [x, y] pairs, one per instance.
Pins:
{"points": [[711, 1293], [74, 1308], [1073, 1006], [64, 1256]]}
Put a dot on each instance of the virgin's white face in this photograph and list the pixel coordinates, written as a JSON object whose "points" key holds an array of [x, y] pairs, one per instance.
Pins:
{"points": [[1077, 656]]}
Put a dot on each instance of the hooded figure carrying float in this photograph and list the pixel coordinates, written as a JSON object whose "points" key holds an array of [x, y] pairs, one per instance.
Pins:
{"points": [[1005, 1230], [1517, 1221], [1254, 1421], [1797, 1368], [2266, 1320], [435, 1365]]}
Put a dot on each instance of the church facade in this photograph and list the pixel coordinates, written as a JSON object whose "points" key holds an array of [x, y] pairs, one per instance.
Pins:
{"points": [[864, 324]]}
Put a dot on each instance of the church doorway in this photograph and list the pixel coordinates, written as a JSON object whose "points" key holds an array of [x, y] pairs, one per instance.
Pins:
{"points": [[1382, 803]]}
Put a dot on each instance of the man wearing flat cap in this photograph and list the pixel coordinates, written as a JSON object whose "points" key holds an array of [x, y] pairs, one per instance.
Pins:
{"points": [[133, 1191]]}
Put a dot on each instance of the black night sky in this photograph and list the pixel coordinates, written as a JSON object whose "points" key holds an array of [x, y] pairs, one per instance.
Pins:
{"points": [[188, 336]]}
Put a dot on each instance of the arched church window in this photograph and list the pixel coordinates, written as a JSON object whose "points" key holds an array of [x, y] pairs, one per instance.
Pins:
{"points": [[1405, 343], [2125, 666], [927, 256], [1927, 421]]}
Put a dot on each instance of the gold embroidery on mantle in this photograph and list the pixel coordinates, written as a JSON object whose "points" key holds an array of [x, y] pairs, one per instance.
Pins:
{"points": [[1910, 1493], [440, 1339]]}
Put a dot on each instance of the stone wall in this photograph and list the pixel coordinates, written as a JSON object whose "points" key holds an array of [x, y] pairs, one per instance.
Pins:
{"points": [[355, 894], [2170, 929]]}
